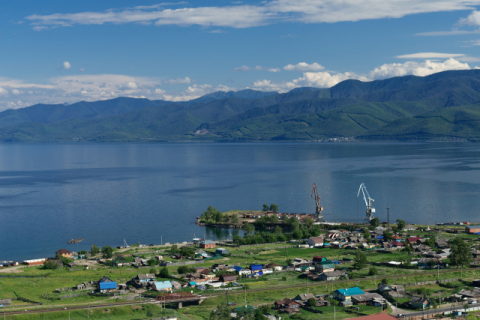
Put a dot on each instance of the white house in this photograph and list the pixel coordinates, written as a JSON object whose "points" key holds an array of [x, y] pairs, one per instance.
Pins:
{"points": [[315, 242]]}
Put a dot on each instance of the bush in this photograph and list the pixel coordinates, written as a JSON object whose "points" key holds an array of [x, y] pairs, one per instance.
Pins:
{"points": [[50, 265], [94, 250], [164, 273]]}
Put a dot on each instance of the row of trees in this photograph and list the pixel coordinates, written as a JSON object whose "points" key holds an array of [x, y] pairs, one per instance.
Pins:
{"points": [[273, 207], [184, 251], [213, 215]]}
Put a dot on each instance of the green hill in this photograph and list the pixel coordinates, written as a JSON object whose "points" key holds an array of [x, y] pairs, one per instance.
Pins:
{"points": [[443, 105]]}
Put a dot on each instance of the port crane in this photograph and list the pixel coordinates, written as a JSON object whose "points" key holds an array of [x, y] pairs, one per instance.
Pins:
{"points": [[318, 209], [368, 203]]}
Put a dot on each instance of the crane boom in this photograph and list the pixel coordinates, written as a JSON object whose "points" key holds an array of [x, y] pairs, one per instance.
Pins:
{"points": [[368, 202], [318, 208]]}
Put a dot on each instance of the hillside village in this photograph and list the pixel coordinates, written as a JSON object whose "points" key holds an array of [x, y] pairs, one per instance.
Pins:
{"points": [[343, 270]]}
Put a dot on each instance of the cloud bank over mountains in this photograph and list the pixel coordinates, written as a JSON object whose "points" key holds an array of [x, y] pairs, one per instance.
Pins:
{"points": [[73, 88]]}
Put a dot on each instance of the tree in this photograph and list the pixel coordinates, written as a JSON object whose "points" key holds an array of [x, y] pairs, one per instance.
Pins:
{"points": [[220, 313], [297, 234], [153, 271], [384, 281], [107, 252], [187, 252], [265, 207], [278, 230], [360, 260], [387, 235], [94, 250], [373, 271], [308, 223], [183, 269], [375, 222], [431, 241], [226, 218], [273, 207], [152, 262], [312, 302], [212, 214], [234, 219], [164, 273], [174, 250], [249, 228], [274, 219], [401, 224], [50, 265], [289, 261], [460, 255]]}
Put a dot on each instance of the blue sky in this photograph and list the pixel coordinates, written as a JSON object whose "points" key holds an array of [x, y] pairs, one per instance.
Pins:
{"points": [[66, 51]]}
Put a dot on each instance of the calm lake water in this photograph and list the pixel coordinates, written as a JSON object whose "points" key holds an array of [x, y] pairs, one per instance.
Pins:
{"points": [[105, 193]]}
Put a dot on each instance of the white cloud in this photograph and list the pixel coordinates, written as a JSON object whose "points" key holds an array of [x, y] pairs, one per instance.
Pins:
{"points": [[82, 69], [66, 65], [258, 68], [3, 92], [304, 67], [473, 19], [132, 85], [185, 80], [447, 33], [416, 68], [267, 12], [16, 92], [328, 79], [430, 55]]}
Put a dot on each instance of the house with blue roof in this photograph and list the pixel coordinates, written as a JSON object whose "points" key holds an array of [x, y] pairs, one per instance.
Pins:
{"points": [[347, 293], [165, 286], [256, 267]]}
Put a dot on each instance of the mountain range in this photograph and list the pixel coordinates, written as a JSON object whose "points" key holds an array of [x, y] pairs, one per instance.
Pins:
{"points": [[444, 105]]}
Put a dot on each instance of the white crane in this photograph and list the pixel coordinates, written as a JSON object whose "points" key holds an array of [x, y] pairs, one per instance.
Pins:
{"points": [[368, 203]]}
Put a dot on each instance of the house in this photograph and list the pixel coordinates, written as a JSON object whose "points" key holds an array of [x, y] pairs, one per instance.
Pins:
{"points": [[119, 261], [383, 287], [378, 316], [331, 275], [367, 299], [299, 262], [472, 229], [64, 253], [287, 305], [207, 244], [325, 266], [396, 244], [419, 302], [318, 259], [256, 268], [397, 291], [222, 251], [347, 293], [106, 284], [34, 262], [274, 266], [315, 242], [244, 272], [303, 298], [227, 278], [144, 278], [413, 240], [442, 243], [176, 285], [163, 286]]}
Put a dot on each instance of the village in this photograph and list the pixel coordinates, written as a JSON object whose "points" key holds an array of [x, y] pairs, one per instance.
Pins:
{"points": [[338, 271]]}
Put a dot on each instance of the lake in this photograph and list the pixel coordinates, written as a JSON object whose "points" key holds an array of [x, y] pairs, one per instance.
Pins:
{"points": [[108, 193]]}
